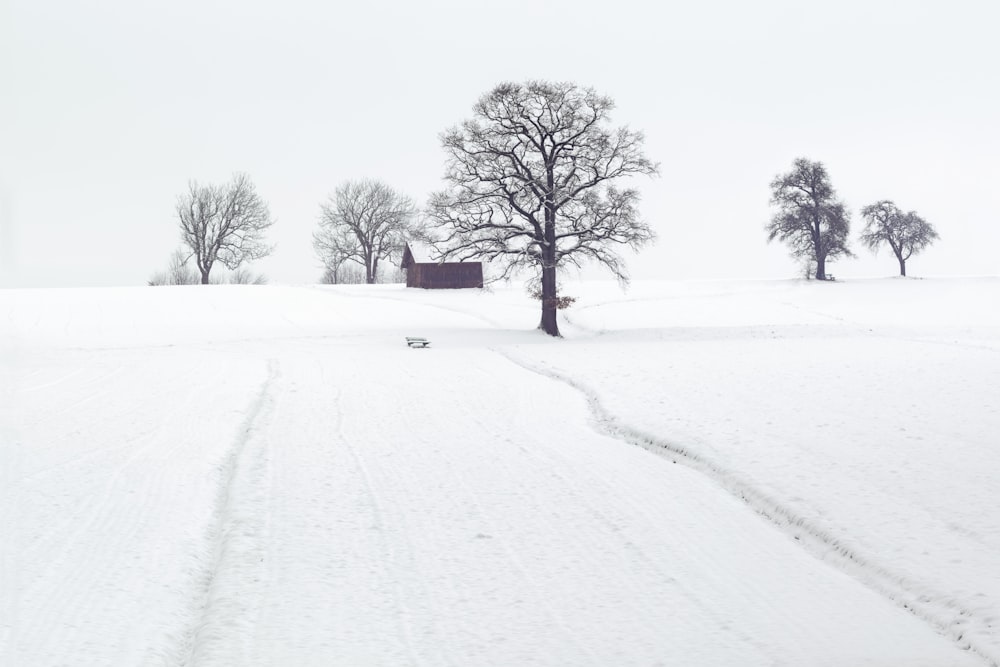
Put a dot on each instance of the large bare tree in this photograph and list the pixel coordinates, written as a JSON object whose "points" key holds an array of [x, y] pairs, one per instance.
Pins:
{"points": [[906, 233], [224, 224], [810, 218], [531, 185], [364, 222]]}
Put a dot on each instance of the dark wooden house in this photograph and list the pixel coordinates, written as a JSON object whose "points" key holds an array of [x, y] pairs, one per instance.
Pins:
{"points": [[440, 275]]}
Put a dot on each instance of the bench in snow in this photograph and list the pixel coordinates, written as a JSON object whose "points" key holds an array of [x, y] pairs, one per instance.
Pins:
{"points": [[417, 342]]}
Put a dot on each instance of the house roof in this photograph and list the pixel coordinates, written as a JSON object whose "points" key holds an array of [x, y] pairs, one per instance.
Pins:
{"points": [[415, 252]]}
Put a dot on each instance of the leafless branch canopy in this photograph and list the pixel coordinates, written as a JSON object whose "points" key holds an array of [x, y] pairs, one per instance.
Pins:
{"points": [[363, 222], [531, 183], [224, 223], [537, 155], [810, 218], [905, 233]]}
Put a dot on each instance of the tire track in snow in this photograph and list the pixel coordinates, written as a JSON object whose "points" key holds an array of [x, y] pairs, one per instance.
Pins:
{"points": [[380, 511], [70, 548], [236, 540], [473, 498], [945, 614], [557, 466]]}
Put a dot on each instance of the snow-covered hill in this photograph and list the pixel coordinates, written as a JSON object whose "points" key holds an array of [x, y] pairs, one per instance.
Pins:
{"points": [[755, 473]]}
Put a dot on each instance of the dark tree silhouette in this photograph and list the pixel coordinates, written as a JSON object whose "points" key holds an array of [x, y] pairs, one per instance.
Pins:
{"points": [[906, 233], [363, 222], [531, 184], [224, 223], [810, 218]]}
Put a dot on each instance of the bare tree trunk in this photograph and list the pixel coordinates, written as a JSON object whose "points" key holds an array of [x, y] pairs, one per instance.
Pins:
{"points": [[369, 269], [821, 268], [204, 277], [816, 235], [902, 266], [550, 293], [549, 300]]}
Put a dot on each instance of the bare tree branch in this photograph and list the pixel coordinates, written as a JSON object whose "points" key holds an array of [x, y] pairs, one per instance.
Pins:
{"points": [[531, 185]]}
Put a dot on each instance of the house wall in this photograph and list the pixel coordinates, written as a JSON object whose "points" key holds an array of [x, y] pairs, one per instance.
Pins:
{"points": [[451, 275]]}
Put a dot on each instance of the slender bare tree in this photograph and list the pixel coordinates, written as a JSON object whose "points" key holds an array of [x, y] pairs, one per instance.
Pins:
{"points": [[364, 222], [810, 218], [354, 274], [531, 185], [177, 273], [224, 223], [906, 233], [332, 246], [244, 276]]}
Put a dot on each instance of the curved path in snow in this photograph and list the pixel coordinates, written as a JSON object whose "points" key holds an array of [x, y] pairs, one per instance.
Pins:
{"points": [[315, 493]]}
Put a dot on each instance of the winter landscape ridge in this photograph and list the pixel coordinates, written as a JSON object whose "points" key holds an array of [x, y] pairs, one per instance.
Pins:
{"points": [[699, 473]]}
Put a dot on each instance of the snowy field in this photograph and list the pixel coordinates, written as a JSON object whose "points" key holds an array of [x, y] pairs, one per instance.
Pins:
{"points": [[712, 473]]}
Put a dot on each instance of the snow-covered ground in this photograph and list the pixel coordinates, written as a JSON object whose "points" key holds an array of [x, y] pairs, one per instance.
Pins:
{"points": [[714, 473]]}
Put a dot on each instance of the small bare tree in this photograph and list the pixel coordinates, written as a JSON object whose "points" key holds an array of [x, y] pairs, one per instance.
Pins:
{"points": [[906, 233], [224, 223], [354, 274], [244, 276], [335, 275], [332, 246], [177, 273], [363, 222], [531, 185], [810, 218]]}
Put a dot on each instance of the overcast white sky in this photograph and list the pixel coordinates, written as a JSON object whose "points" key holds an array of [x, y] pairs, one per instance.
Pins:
{"points": [[110, 107]]}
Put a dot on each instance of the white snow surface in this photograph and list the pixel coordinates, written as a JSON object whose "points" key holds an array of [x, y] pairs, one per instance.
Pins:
{"points": [[711, 473]]}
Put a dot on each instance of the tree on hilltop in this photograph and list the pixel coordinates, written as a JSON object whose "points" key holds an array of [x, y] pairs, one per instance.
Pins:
{"points": [[905, 233], [810, 218], [531, 184], [363, 222], [224, 224]]}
